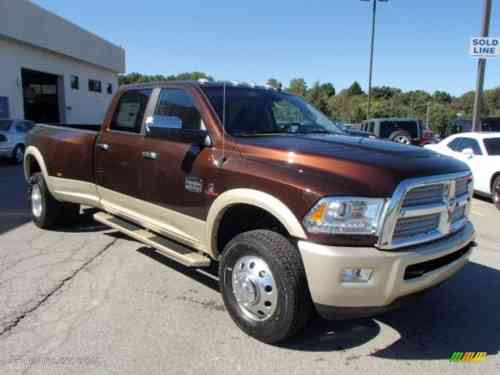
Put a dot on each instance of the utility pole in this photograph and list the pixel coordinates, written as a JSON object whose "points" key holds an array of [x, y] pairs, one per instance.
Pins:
{"points": [[481, 67], [428, 115], [372, 47]]}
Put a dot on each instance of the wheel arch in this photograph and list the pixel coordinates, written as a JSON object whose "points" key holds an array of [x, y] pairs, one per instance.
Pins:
{"points": [[255, 198], [492, 181], [34, 162]]}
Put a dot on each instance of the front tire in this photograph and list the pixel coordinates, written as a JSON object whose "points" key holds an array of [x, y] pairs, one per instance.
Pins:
{"points": [[46, 211], [264, 286], [495, 193]]}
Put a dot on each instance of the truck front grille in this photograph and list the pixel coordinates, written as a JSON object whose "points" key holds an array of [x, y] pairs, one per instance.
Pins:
{"points": [[422, 195], [412, 226], [425, 209]]}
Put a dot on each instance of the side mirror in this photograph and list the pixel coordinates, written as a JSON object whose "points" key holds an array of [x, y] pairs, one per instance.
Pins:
{"points": [[469, 152], [170, 128]]}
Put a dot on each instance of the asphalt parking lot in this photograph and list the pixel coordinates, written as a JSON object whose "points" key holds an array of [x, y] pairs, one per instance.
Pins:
{"points": [[86, 300]]}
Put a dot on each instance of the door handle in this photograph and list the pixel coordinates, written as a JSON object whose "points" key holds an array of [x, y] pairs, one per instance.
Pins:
{"points": [[103, 146], [150, 155]]}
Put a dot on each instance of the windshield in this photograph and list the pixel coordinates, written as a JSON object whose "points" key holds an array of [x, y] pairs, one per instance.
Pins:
{"points": [[5, 125], [251, 112], [492, 146]]}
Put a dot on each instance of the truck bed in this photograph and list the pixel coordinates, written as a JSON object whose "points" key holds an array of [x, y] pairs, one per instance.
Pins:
{"points": [[68, 149]]}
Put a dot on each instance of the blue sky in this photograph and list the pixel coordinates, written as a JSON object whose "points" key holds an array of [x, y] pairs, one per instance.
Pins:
{"points": [[420, 44]]}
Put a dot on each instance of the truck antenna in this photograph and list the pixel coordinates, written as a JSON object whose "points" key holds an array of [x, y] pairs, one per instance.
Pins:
{"points": [[223, 159]]}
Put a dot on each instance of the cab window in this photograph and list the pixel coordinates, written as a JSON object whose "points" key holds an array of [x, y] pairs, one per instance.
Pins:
{"points": [[178, 103], [129, 113]]}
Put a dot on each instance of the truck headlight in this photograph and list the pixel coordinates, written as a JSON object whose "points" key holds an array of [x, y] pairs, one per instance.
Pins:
{"points": [[345, 215]]}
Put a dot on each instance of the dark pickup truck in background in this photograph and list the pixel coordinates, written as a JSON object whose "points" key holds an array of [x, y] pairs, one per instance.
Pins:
{"points": [[401, 130], [299, 217]]}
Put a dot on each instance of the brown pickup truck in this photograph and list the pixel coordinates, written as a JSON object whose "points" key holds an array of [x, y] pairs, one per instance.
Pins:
{"points": [[299, 217]]}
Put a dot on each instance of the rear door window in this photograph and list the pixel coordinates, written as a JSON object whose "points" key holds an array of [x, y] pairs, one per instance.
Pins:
{"points": [[472, 144], [455, 145], [492, 146], [129, 113]]}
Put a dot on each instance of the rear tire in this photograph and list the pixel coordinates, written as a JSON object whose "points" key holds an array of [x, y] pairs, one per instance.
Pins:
{"points": [[264, 286], [46, 211], [401, 136]]}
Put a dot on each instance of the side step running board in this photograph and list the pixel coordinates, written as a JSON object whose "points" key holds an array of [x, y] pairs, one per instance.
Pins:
{"points": [[164, 246]]}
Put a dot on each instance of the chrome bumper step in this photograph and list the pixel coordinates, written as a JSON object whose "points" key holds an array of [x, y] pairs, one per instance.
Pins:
{"points": [[171, 249]]}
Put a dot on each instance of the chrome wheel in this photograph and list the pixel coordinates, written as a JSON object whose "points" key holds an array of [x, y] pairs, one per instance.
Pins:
{"points": [[254, 288], [402, 139], [36, 201]]}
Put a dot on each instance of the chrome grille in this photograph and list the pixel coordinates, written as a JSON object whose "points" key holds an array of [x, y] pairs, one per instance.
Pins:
{"points": [[458, 214], [428, 194], [461, 186], [412, 226], [425, 209]]}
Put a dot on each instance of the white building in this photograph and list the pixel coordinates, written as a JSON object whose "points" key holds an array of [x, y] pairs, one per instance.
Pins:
{"points": [[52, 70]]}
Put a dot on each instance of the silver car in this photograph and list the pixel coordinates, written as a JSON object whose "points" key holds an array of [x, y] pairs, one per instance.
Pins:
{"points": [[13, 138]]}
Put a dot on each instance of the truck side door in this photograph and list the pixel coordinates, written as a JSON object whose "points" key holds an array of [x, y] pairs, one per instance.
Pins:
{"points": [[177, 179], [118, 157]]}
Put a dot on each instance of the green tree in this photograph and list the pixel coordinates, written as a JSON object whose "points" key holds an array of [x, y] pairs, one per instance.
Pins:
{"points": [[354, 89], [298, 86], [384, 92], [464, 104], [319, 95], [492, 102], [440, 115], [442, 97], [274, 83]]}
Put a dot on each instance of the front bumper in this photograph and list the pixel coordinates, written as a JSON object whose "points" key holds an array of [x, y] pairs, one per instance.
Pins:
{"points": [[393, 279]]}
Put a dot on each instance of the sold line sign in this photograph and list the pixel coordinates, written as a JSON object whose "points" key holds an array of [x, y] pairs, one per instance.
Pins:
{"points": [[485, 47]]}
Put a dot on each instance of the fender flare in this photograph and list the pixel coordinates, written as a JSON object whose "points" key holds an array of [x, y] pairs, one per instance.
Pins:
{"points": [[33, 152], [255, 198]]}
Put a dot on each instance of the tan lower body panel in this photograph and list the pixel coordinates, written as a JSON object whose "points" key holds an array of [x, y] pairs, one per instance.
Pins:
{"points": [[166, 247], [180, 227], [324, 265], [74, 191]]}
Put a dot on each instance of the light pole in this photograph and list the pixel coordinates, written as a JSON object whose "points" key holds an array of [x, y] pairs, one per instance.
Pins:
{"points": [[427, 117], [372, 45], [481, 67]]}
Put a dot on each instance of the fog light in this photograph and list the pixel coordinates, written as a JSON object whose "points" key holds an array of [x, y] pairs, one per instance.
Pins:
{"points": [[356, 275]]}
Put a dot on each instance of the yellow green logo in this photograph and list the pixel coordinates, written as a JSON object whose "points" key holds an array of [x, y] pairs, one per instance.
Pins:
{"points": [[468, 356]]}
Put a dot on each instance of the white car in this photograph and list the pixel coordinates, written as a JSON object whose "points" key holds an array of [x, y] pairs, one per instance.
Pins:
{"points": [[13, 138], [481, 152]]}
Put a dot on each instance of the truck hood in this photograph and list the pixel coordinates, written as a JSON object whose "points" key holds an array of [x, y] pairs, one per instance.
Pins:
{"points": [[371, 164]]}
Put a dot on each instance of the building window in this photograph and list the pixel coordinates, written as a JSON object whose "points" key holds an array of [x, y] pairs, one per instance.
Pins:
{"points": [[95, 86], [75, 82], [110, 88]]}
